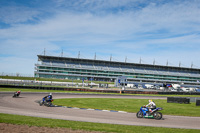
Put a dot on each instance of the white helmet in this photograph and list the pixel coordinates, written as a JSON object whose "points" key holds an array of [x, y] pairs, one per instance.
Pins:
{"points": [[150, 100], [50, 94]]}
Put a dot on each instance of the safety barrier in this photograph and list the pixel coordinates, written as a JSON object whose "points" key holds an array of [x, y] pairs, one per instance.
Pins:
{"points": [[197, 102], [178, 100]]}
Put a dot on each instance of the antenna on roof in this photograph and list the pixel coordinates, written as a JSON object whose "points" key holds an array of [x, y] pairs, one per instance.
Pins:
{"points": [[154, 62], [167, 63], [62, 53], [95, 56], [111, 57], [78, 54], [125, 59], [140, 60], [44, 51], [179, 64], [192, 65]]}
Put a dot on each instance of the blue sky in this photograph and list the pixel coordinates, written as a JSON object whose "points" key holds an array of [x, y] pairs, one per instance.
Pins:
{"points": [[157, 30]]}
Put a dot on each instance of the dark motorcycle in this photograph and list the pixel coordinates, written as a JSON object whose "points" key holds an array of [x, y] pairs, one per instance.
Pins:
{"points": [[144, 113], [47, 103]]}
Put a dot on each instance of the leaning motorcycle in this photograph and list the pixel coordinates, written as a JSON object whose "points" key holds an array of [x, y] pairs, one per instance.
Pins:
{"points": [[144, 113], [47, 103], [16, 94]]}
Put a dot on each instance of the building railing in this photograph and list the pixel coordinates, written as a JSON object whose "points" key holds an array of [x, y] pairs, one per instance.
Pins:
{"points": [[130, 70]]}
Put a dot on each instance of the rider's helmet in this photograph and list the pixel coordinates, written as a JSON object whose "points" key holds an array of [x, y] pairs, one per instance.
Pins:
{"points": [[50, 94], [150, 100]]}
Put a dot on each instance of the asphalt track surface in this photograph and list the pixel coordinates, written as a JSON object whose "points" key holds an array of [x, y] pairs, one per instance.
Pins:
{"points": [[26, 105]]}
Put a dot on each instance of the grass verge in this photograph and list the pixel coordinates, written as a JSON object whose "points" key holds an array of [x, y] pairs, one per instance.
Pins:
{"points": [[130, 105], [51, 79], [75, 125], [52, 91]]}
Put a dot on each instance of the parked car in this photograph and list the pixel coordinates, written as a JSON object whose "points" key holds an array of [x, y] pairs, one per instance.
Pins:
{"points": [[174, 90], [180, 90]]}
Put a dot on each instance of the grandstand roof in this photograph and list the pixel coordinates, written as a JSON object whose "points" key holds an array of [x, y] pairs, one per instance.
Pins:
{"points": [[115, 63]]}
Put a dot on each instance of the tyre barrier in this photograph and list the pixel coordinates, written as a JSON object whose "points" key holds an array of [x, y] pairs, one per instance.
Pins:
{"points": [[197, 102], [178, 100]]}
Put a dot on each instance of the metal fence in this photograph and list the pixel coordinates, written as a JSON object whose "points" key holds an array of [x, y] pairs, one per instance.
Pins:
{"points": [[16, 74], [17, 82]]}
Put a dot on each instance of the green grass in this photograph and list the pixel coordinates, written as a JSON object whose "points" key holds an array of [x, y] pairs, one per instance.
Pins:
{"points": [[51, 79], [26, 90], [88, 126], [130, 105], [52, 91]]}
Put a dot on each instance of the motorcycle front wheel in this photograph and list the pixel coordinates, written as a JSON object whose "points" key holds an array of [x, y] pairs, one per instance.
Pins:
{"points": [[41, 103], [139, 114]]}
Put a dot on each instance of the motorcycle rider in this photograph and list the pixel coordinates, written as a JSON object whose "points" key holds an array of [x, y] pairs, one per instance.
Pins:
{"points": [[17, 93], [47, 98], [151, 105]]}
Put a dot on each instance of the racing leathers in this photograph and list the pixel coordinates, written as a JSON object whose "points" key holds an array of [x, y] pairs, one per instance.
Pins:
{"points": [[151, 105], [47, 98]]}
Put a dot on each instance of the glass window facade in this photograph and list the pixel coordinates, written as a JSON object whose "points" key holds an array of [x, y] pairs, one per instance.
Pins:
{"points": [[74, 68]]}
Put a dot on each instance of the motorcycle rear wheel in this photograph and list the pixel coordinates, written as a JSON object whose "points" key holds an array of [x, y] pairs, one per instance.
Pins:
{"points": [[157, 115]]}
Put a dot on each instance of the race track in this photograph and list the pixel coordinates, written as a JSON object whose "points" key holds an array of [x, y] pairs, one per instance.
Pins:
{"points": [[26, 105]]}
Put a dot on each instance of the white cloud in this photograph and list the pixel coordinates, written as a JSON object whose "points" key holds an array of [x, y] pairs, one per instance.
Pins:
{"points": [[121, 25], [160, 31], [17, 14]]}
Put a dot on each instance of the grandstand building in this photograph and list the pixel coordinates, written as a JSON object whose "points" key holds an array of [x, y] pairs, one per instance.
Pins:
{"points": [[102, 70]]}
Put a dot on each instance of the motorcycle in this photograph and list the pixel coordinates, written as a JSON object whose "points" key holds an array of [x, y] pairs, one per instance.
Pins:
{"points": [[47, 103], [16, 94], [145, 113]]}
